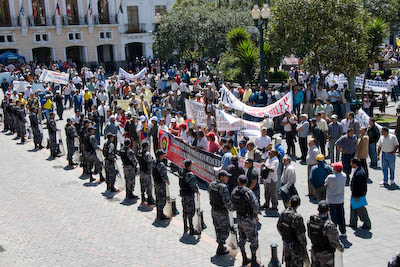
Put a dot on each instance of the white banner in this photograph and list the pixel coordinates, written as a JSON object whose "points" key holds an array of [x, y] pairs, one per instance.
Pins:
{"points": [[376, 86], [20, 86], [196, 111], [274, 110], [54, 77], [363, 120], [123, 75], [227, 122]]}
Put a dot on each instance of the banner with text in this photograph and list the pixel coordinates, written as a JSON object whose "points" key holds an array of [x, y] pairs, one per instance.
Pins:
{"points": [[54, 77], [123, 75], [196, 111], [227, 122], [376, 86], [363, 119], [20, 86], [177, 151], [274, 110]]}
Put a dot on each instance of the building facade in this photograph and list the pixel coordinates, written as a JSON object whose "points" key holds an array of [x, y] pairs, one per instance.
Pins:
{"points": [[84, 31]]}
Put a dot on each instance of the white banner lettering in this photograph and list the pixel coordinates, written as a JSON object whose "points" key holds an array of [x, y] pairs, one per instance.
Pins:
{"points": [[54, 77], [123, 75], [363, 120], [196, 111], [20, 86]]}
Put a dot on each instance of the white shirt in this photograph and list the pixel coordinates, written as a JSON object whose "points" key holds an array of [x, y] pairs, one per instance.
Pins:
{"points": [[272, 163], [202, 143], [102, 110], [321, 94], [388, 143], [289, 175], [174, 86], [183, 87], [262, 142], [267, 123], [76, 80], [68, 89], [102, 97], [27, 92]]}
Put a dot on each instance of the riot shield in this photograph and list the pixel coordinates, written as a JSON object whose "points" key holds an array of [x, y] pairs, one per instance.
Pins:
{"points": [[29, 130], [76, 157], [60, 144], [197, 216], [100, 157], [231, 241], [338, 259], [168, 204], [120, 181]]}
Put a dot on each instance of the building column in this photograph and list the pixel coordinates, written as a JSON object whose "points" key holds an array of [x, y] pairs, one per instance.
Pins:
{"points": [[122, 53], [12, 13], [111, 11], [85, 54], [53, 54], [115, 52], [148, 50]]}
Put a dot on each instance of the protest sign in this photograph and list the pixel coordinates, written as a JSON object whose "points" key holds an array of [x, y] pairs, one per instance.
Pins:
{"points": [[54, 77], [20, 86], [5, 75], [196, 111], [133, 77]]}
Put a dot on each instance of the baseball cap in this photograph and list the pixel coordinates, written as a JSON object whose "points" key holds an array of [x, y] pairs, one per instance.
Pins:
{"points": [[337, 165], [173, 120], [223, 173], [210, 134], [320, 157], [154, 118]]}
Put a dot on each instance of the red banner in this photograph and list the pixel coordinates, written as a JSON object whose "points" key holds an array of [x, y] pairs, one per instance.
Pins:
{"points": [[178, 151]]}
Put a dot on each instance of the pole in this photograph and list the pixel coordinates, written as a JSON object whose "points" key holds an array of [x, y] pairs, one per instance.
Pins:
{"points": [[262, 67]]}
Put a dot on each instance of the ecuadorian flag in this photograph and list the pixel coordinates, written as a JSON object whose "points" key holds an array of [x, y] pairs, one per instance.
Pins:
{"points": [[144, 133]]}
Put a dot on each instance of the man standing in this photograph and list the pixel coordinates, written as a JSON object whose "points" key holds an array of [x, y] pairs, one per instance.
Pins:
{"points": [[374, 135], [51, 125], [270, 193], [347, 146], [71, 134], [318, 175], [145, 166], [188, 187], [362, 149], [235, 170], [37, 134], [263, 141], [311, 160], [288, 123], [91, 147], [323, 126], [302, 131], [220, 202], [226, 158], [129, 163], [358, 193], [154, 133], [308, 102], [335, 184], [160, 177], [245, 203], [388, 144], [293, 231], [288, 180], [109, 158], [335, 131], [324, 237]]}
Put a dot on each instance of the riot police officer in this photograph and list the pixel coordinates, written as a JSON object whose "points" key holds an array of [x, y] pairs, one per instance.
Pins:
{"points": [[83, 138], [188, 187], [324, 237], [70, 133], [129, 163], [51, 125], [246, 204], [37, 134], [145, 166], [220, 202], [293, 231], [160, 177], [91, 146], [109, 158]]}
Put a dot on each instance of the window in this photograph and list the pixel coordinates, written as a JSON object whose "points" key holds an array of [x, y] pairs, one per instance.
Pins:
{"points": [[74, 36], [162, 9], [6, 38], [105, 35], [42, 37]]}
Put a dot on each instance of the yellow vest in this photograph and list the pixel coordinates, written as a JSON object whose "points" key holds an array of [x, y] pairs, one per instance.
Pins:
{"points": [[48, 104]]}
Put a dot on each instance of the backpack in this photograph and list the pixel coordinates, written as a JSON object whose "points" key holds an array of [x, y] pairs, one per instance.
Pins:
{"points": [[143, 166]]}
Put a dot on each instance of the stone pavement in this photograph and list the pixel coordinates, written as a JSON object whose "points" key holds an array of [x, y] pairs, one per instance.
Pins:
{"points": [[51, 216]]}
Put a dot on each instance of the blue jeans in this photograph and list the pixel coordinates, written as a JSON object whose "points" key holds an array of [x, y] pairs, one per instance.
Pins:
{"points": [[372, 154], [388, 161], [67, 98]]}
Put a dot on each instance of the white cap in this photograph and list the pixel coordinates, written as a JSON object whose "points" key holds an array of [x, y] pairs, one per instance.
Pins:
{"points": [[173, 120], [142, 118], [154, 118], [112, 117]]}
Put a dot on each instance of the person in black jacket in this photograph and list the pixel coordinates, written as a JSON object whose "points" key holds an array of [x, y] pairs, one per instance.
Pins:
{"points": [[373, 134], [235, 170], [359, 190]]}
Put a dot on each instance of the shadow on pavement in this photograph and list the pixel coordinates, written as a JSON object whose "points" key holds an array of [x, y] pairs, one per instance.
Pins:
{"points": [[33, 150], [68, 168], [90, 184], [161, 224], [83, 177], [189, 240], [346, 243], [145, 208], [365, 234], [128, 202], [271, 213], [58, 167], [226, 260], [50, 158]]}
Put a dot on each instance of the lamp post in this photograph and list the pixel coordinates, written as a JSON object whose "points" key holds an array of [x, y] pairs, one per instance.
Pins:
{"points": [[157, 21], [261, 18]]}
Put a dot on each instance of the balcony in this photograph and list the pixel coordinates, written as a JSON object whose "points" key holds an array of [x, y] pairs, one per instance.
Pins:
{"points": [[41, 21], [102, 19], [136, 28], [5, 22], [74, 20]]}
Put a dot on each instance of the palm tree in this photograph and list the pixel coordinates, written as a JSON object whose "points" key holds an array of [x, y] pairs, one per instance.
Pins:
{"points": [[236, 36], [377, 31], [248, 54]]}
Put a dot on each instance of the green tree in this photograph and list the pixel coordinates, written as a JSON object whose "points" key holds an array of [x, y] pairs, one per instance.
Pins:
{"points": [[236, 36], [387, 10], [327, 35], [248, 55], [377, 31], [197, 32]]}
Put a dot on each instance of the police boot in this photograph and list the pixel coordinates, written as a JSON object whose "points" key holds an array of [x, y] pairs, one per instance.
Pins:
{"points": [[245, 260], [113, 189], [108, 187], [22, 139], [150, 200], [192, 231], [36, 147], [40, 146], [161, 216], [143, 198], [185, 225], [91, 179], [254, 262], [221, 250], [70, 163], [101, 178]]}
